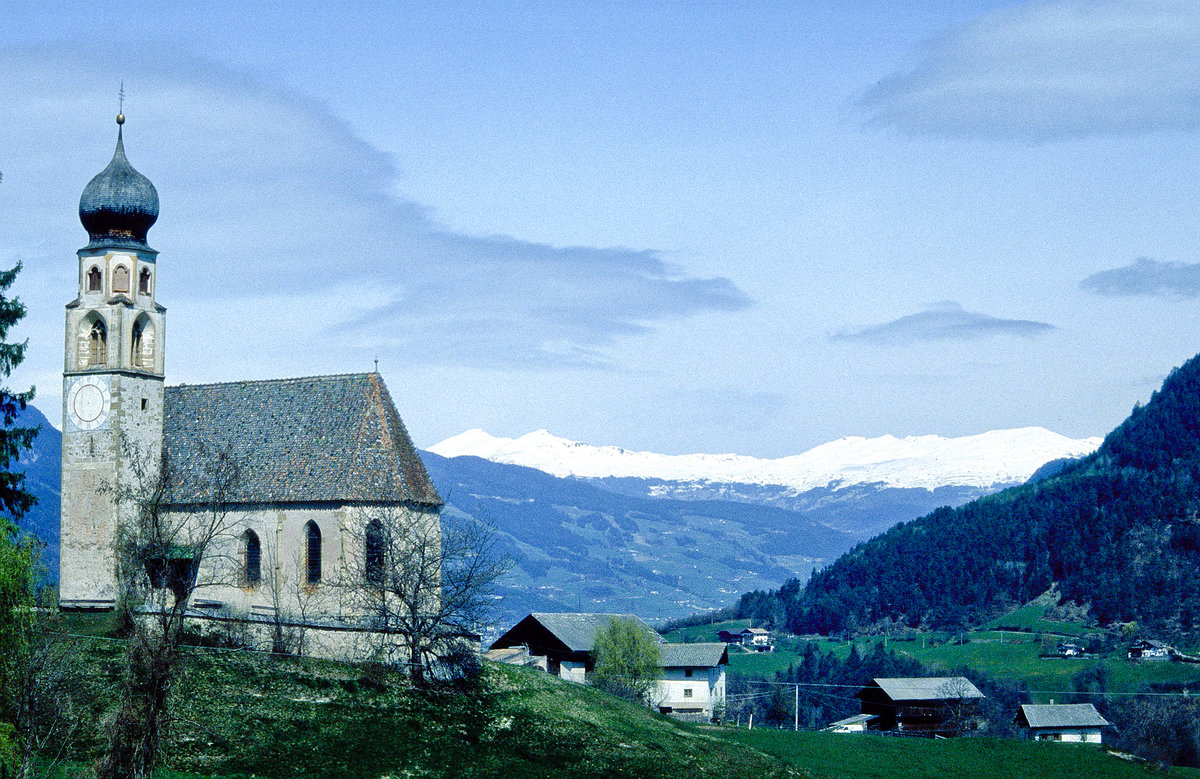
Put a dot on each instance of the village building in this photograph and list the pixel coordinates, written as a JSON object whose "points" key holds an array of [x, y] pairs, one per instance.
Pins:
{"points": [[922, 706], [1071, 722], [1149, 649], [566, 641], [693, 680], [563, 644], [757, 639], [858, 723], [308, 466]]}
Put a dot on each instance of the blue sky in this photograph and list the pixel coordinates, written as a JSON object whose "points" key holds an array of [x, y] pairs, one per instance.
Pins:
{"points": [[669, 226]]}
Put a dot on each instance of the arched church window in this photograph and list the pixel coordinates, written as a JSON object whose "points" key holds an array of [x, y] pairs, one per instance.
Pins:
{"points": [[251, 558], [121, 279], [374, 554], [142, 352], [312, 537], [144, 281], [98, 344], [94, 279]]}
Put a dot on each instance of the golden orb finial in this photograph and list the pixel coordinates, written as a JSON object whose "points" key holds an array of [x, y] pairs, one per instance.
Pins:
{"points": [[120, 118]]}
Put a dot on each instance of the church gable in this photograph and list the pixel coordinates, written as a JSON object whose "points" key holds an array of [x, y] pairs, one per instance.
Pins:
{"points": [[307, 440]]}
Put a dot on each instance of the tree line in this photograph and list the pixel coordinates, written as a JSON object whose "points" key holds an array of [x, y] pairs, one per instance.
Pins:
{"points": [[1118, 532]]}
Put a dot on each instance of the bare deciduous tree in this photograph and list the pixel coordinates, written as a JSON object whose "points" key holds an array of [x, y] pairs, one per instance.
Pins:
{"points": [[159, 551], [422, 584]]}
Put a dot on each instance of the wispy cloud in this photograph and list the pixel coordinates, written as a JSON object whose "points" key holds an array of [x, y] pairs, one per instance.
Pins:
{"points": [[268, 199], [1052, 70], [945, 321], [1146, 277]]}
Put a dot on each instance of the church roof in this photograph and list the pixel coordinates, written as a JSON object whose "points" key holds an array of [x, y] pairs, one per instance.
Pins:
{"points": [[315, 439]]}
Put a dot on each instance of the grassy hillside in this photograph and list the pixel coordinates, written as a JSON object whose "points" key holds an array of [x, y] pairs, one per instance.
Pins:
{"points": [[830, 755], [247, 714], [244, 713]]}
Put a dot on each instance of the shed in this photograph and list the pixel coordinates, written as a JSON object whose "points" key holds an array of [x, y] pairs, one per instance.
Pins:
{"points": [[856, 724]]}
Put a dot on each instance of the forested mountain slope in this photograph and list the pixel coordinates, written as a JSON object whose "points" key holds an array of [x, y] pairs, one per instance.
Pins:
{"points": [[1118, 531]]}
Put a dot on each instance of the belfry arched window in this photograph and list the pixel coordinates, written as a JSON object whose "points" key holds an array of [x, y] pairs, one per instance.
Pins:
{"points": [[98, 344], [94, 279], [120, 279], [144, 281], [312, 544], [374, 554], [142, 343], [251, 558]]}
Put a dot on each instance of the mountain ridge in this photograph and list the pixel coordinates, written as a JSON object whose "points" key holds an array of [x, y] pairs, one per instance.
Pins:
{"points": [[987, 460]]}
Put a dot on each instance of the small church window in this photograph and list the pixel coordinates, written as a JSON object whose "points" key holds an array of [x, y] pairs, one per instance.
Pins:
{"points": [[312, 535], [144, 281], [375, 553], [98, 344], [94, 279], [121, 279], [252, 570]]}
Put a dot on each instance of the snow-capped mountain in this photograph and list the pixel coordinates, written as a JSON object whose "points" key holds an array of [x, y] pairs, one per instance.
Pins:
{"points": [[986, 461]]}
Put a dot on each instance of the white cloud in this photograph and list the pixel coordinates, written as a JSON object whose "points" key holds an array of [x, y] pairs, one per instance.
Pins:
{"points": [[280, 230], [1146, 277], [1051, 70], [945, 321]]}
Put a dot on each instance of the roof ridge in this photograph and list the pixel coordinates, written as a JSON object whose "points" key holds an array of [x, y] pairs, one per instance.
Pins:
{"points": [[319, 376]]}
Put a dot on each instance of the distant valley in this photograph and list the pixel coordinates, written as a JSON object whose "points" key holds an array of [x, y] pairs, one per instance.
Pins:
{"points": [[668, 541]]}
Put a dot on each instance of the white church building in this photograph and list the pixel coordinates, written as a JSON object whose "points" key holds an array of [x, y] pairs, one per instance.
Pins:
{"points": [[316, 457]]}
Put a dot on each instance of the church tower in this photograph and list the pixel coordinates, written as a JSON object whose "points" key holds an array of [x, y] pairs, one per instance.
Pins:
{"points": [[112, 378]]}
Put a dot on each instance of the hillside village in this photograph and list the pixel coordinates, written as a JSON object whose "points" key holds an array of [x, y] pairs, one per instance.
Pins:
{"points": [[224, 554]]}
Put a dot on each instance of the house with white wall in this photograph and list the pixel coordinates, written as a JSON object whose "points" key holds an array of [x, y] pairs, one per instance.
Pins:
{"points": [[1079, 723], [693, 680]]}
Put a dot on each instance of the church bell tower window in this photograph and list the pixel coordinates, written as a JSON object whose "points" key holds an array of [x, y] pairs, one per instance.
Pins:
{"points": [[98, 344], [121, 279], [94, 279], [144, 281]]}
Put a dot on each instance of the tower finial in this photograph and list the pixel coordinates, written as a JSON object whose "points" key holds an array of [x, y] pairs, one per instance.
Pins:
{"points": [[121, 105]]}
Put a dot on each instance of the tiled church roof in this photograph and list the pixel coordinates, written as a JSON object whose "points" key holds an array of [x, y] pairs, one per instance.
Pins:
{"points": [[317, 439]]}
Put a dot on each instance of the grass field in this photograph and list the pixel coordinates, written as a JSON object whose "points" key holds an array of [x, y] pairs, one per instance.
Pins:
{"points": [[831, 755], [246, 714]]}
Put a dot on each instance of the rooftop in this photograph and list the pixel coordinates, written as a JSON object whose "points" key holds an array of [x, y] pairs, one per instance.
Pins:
{"points": [[931, 688], [1062, 715], [306, 440]]}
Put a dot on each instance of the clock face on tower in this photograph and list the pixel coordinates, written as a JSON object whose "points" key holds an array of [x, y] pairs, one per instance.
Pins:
{"points": [[88, 402]]}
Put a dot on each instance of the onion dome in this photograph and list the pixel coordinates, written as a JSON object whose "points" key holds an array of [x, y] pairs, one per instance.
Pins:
{"points": [[118, 205]]}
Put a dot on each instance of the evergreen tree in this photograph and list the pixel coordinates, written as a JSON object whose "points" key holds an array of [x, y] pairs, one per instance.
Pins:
{"points": [[15, 500]]}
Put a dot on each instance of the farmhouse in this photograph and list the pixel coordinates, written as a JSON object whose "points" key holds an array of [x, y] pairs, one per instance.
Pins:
{"points": [[566, 641], [930, 706], [1149, 649], [1073, 722], [693, 680]]}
